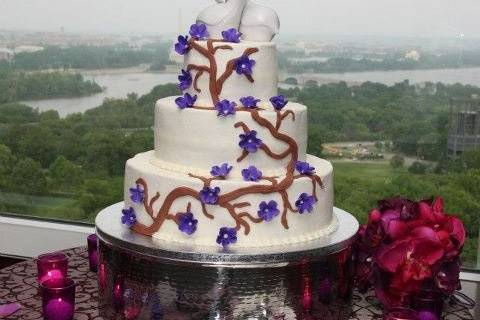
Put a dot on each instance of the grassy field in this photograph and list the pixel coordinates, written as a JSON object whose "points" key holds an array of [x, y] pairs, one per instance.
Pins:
{"points": [[354, 182], [38, 206]]}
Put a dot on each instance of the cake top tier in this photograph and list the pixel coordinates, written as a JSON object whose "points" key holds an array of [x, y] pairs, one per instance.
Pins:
{"points": [[255, 22], [228, 54]]}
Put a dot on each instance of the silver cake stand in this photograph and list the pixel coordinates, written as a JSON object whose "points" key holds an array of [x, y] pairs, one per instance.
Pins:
{"points": [[144, 278]]}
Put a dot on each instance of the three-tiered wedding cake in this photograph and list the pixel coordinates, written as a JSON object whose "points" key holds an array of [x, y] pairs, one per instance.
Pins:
{"points": [[230, 166]]}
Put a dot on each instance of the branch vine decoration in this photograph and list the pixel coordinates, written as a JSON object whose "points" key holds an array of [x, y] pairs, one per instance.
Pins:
{"points": [[216, 82], [228, 201]]}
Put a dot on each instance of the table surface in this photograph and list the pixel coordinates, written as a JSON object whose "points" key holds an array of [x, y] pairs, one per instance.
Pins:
{"points": [[18, 283]]}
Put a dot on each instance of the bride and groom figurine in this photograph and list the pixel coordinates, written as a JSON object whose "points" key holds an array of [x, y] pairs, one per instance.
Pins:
{"points": [[253, 21]]}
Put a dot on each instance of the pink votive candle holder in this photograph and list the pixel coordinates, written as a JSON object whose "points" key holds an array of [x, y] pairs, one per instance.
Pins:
{"points": [[58, 299], [52, 266], [93, 252], [400, 314]]}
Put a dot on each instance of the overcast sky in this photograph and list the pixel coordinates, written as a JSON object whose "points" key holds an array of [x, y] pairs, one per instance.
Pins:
{"points": [[426, 18]]}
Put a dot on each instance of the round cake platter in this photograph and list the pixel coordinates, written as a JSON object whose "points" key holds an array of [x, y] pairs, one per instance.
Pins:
{"points": [[157, 280]]}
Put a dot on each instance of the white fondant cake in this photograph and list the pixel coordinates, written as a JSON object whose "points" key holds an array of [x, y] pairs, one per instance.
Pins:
{"points": [[230, 166]]}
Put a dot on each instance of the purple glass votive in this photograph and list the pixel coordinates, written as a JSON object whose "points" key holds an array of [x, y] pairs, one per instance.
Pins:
{"points": [[429, 301], [400, 314], [58, 296], [52, 266], [93, 252]]}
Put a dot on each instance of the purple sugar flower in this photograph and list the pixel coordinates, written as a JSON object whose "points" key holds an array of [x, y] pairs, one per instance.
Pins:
{"points": [[250, 142], [182, 46], [187, 223], [268, 211], [304, 168], [137, 194], [251, 174], [305, 203], [249, 102], [199, 31], [244, 65], [129, 217], [209, 195], [279, 102], [225, 108], [185, 80], [221, 171], [227, 236], [231, 35], [187, 101]]}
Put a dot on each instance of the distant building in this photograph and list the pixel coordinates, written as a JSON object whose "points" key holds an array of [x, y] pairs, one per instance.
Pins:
{"points": [[6, 54], [413, 55], [27, 49], [464, 132]]}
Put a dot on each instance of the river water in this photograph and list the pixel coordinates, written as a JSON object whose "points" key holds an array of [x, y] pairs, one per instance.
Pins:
{"points": [[118, 85]]}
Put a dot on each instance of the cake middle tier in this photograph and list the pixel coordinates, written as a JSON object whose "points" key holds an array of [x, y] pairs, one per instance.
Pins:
{"points": [[193, 140]]}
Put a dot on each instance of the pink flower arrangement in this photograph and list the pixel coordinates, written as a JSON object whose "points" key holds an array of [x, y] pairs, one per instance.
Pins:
{"points": [[408, 247]]}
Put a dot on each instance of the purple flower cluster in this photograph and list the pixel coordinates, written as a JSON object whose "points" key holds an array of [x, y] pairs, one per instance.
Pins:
{"points": [[279, 102], [268, 211], [221, 171], [244, 65], [137, 194], [199, 31], [226, 237], [250, 142], [187, 101], [305, 203], [209, 195], [249, 102], [185, 80], [187, 223], [231, 35], [251, 174], [182, 46], [305, 168], [225, 108], [129, 218]]}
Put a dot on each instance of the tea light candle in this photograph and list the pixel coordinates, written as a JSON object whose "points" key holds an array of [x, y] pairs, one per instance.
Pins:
{"points": [[58, 298], [93, 252], [400, 314], [52, 266]]}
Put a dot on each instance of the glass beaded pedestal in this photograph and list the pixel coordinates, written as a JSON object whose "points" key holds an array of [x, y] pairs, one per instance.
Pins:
{"points": [[143, 278]]}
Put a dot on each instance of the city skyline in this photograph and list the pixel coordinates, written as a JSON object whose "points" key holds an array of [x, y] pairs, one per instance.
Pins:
{"points": [[406, 18]]}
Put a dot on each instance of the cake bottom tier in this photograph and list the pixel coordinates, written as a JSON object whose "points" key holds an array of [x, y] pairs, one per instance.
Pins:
{"points": [[168, 196]]}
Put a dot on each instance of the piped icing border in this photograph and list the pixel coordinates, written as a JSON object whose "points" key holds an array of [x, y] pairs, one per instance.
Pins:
{"points": [[321, 233]]}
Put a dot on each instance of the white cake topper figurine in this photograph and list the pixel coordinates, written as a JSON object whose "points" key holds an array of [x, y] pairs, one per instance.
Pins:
{"points": [[255, 22]]}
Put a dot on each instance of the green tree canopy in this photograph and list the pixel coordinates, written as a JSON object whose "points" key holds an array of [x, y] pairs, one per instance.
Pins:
{"points": [[28, 177], [65, 174]]}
